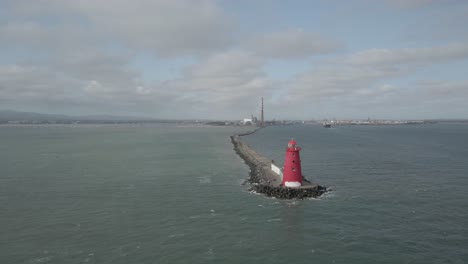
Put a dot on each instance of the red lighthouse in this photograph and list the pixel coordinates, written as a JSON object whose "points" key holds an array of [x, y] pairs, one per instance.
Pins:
{"points": [[292, 173]]}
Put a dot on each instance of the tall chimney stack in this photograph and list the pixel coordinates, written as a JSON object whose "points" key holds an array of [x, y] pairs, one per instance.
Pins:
{"points": [[262, 117]]}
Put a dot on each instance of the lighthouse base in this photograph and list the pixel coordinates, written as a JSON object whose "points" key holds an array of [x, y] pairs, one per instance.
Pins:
{"points": [[292, 184], [303, 192]]}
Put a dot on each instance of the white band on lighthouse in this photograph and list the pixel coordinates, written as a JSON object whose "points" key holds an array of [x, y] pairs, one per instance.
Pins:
{"points": [[292, 184]]}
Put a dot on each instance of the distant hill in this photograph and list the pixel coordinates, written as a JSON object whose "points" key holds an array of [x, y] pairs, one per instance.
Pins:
{"points": [[11, 115]]}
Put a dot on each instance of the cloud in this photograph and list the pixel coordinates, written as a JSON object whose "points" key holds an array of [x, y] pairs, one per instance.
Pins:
{"points": [[407, 56], [292, 44], [379, 90], [26, 84], [166, 27], [77, 54], [418, 4], [110, 70], [439, 98], [337, 81], [79, 84], [443, 89], [84, 57], [227, 64], [222, 85], [368, 75], [170, 28], [409, 4], [21, 32]]}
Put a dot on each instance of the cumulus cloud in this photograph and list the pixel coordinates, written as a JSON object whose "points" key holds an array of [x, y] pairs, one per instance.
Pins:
{"points": [[338, 81], [443, 89], [21, 32], [366, 79], [379, 90], [292, 44], [418, 4], [82, 60], [167, 27], [409, 4], [410, 56], [79, 83], [23, 85], [222, 84], [79, 57]]}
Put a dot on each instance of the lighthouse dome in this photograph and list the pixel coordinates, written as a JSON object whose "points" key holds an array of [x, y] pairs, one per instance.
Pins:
{"points": [[292, 143]]}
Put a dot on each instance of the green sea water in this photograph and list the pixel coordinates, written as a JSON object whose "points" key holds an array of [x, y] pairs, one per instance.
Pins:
{"points": [[173, 194]]}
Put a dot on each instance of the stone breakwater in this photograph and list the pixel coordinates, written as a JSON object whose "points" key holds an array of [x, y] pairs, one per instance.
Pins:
{"points": [[264, 180], [290, 193]]}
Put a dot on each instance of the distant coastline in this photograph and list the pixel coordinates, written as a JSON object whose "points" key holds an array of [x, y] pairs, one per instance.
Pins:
{"points": [[32, 118]]}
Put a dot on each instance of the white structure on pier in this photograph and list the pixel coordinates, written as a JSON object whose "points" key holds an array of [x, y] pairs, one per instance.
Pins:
{"points": [[277, 170]]}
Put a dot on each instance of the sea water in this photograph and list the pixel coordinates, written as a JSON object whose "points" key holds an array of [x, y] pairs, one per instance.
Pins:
{"points": [[173, 194]]}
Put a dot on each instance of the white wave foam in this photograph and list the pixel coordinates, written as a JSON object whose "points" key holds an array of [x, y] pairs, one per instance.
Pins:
{"points": [[274, 220], [204, 179], [176, 235], [42, 259], [195, 216]]}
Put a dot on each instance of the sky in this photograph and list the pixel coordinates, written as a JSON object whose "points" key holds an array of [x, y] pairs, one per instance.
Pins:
{"points": [[207, 59]]}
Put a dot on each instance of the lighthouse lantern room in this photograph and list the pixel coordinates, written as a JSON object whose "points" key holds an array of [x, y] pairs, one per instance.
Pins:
{"points": [[292, 172]]}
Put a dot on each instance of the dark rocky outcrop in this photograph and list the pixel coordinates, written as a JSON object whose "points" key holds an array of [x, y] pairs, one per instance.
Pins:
{"points": [[289, 193]]}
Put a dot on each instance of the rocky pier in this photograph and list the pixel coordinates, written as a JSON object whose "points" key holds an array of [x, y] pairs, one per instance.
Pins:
{"points": [[264, 180]]}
